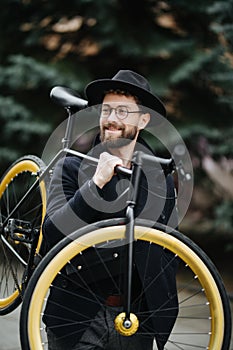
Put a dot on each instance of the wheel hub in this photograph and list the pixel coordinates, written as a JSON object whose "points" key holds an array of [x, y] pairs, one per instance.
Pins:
{"points": [[124, 326]]}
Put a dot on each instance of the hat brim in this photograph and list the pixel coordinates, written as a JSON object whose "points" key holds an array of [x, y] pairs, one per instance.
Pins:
{"points": [[96, 90]]}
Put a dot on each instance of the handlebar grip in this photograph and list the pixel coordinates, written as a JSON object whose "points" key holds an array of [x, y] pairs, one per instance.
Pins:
{"points": [[155, 159]]}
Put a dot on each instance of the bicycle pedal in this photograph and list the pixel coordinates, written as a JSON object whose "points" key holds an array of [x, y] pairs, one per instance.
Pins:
{"points": [[20, 231]]}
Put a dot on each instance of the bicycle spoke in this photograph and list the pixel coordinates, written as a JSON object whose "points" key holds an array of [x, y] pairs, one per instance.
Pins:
{"points": [[191, 319], [19, 223]]}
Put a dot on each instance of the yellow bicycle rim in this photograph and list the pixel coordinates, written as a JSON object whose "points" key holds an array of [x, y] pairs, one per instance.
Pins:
{"points": [[114, 233]]}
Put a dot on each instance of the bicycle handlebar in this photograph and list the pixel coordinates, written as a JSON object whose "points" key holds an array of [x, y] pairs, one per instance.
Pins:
{"points": [[168, 162], [120, 168]]}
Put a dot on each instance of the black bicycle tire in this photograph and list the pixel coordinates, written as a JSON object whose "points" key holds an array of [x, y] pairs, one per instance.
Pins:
{"points": [[113, 222], [40, 164]]}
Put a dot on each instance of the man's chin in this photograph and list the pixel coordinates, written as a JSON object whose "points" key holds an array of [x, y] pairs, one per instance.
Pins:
{"points": [[117, 143]]}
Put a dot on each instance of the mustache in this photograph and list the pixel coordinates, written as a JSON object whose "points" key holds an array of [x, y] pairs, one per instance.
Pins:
{"points": [[112, 124]]}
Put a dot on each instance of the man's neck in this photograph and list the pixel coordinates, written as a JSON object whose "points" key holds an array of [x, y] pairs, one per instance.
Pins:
{"points": [[125, 153]]}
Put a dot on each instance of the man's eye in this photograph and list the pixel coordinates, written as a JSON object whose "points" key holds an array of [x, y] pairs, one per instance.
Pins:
{"points": [[105, 110], [122, 110]]}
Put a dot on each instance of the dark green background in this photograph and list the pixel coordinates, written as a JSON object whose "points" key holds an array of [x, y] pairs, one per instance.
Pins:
{"points": [[183, 47]]}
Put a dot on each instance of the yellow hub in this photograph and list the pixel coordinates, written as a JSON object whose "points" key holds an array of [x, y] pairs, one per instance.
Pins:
{"points": [[126, 327]]}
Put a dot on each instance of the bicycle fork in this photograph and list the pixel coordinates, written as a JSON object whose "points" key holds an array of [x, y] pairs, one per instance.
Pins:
{"points": [[127, 323]]}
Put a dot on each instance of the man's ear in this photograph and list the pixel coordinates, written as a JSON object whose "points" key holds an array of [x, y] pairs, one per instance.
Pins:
{"points": [[143, 121]]}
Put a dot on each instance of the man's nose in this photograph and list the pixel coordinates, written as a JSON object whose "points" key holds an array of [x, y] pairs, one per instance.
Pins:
{"points": [[112, 115]]}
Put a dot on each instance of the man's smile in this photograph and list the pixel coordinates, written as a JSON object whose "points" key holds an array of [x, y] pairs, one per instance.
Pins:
{"points": [[111, 129]]}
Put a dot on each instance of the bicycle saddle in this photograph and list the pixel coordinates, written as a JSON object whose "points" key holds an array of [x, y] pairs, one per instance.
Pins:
{"points": [[67, 98]]}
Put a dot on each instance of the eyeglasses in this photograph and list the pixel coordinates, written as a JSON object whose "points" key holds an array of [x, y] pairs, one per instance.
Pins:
{"points": [[120, 111]]}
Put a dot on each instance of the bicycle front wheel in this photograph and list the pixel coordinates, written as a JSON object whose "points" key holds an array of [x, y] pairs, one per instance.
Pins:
{"points": [[202, 316], [19, 226]]}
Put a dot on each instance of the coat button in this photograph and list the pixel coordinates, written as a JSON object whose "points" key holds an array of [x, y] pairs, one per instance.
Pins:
{"points": [[170, 295]]}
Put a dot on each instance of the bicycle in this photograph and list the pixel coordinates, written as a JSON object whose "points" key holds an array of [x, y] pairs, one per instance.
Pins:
{"points": [[200, 290]]}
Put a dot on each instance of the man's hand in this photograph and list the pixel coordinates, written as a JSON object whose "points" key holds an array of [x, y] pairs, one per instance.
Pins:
{"points": [[105, 169]]}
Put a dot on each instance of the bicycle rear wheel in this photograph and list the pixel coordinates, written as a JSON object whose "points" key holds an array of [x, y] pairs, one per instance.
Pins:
{"points": [[203, 320], [20, 227]]}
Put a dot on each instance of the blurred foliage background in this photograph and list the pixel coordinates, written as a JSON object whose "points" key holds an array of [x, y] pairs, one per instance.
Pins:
{"points": [[184, 48]]}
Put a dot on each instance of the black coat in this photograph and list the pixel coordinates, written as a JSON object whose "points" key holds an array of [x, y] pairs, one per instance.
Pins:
{"points": [[74, 201]]}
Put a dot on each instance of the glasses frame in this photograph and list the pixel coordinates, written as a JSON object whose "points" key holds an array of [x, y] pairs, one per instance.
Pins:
{"points": [[116, 114]]}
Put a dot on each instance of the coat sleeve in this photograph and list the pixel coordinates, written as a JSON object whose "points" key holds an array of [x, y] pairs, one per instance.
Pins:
{"points": [[72, 201]]}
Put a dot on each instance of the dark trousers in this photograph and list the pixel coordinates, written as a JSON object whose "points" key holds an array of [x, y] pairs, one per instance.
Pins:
{"points": [[101, 335]]}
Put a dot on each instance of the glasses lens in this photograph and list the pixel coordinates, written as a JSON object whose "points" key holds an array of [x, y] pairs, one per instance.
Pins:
{"points": [[121, 112], [105, 111]]}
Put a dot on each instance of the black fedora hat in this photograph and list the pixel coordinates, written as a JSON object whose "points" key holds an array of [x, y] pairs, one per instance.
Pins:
{"points": [[130, 82]]}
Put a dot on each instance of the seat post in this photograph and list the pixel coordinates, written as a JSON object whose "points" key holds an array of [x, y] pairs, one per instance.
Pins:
{"points": [[66, 141]]}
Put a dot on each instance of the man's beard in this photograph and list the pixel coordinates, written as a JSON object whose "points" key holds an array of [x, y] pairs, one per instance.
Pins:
{"points": [[125, 139]]}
